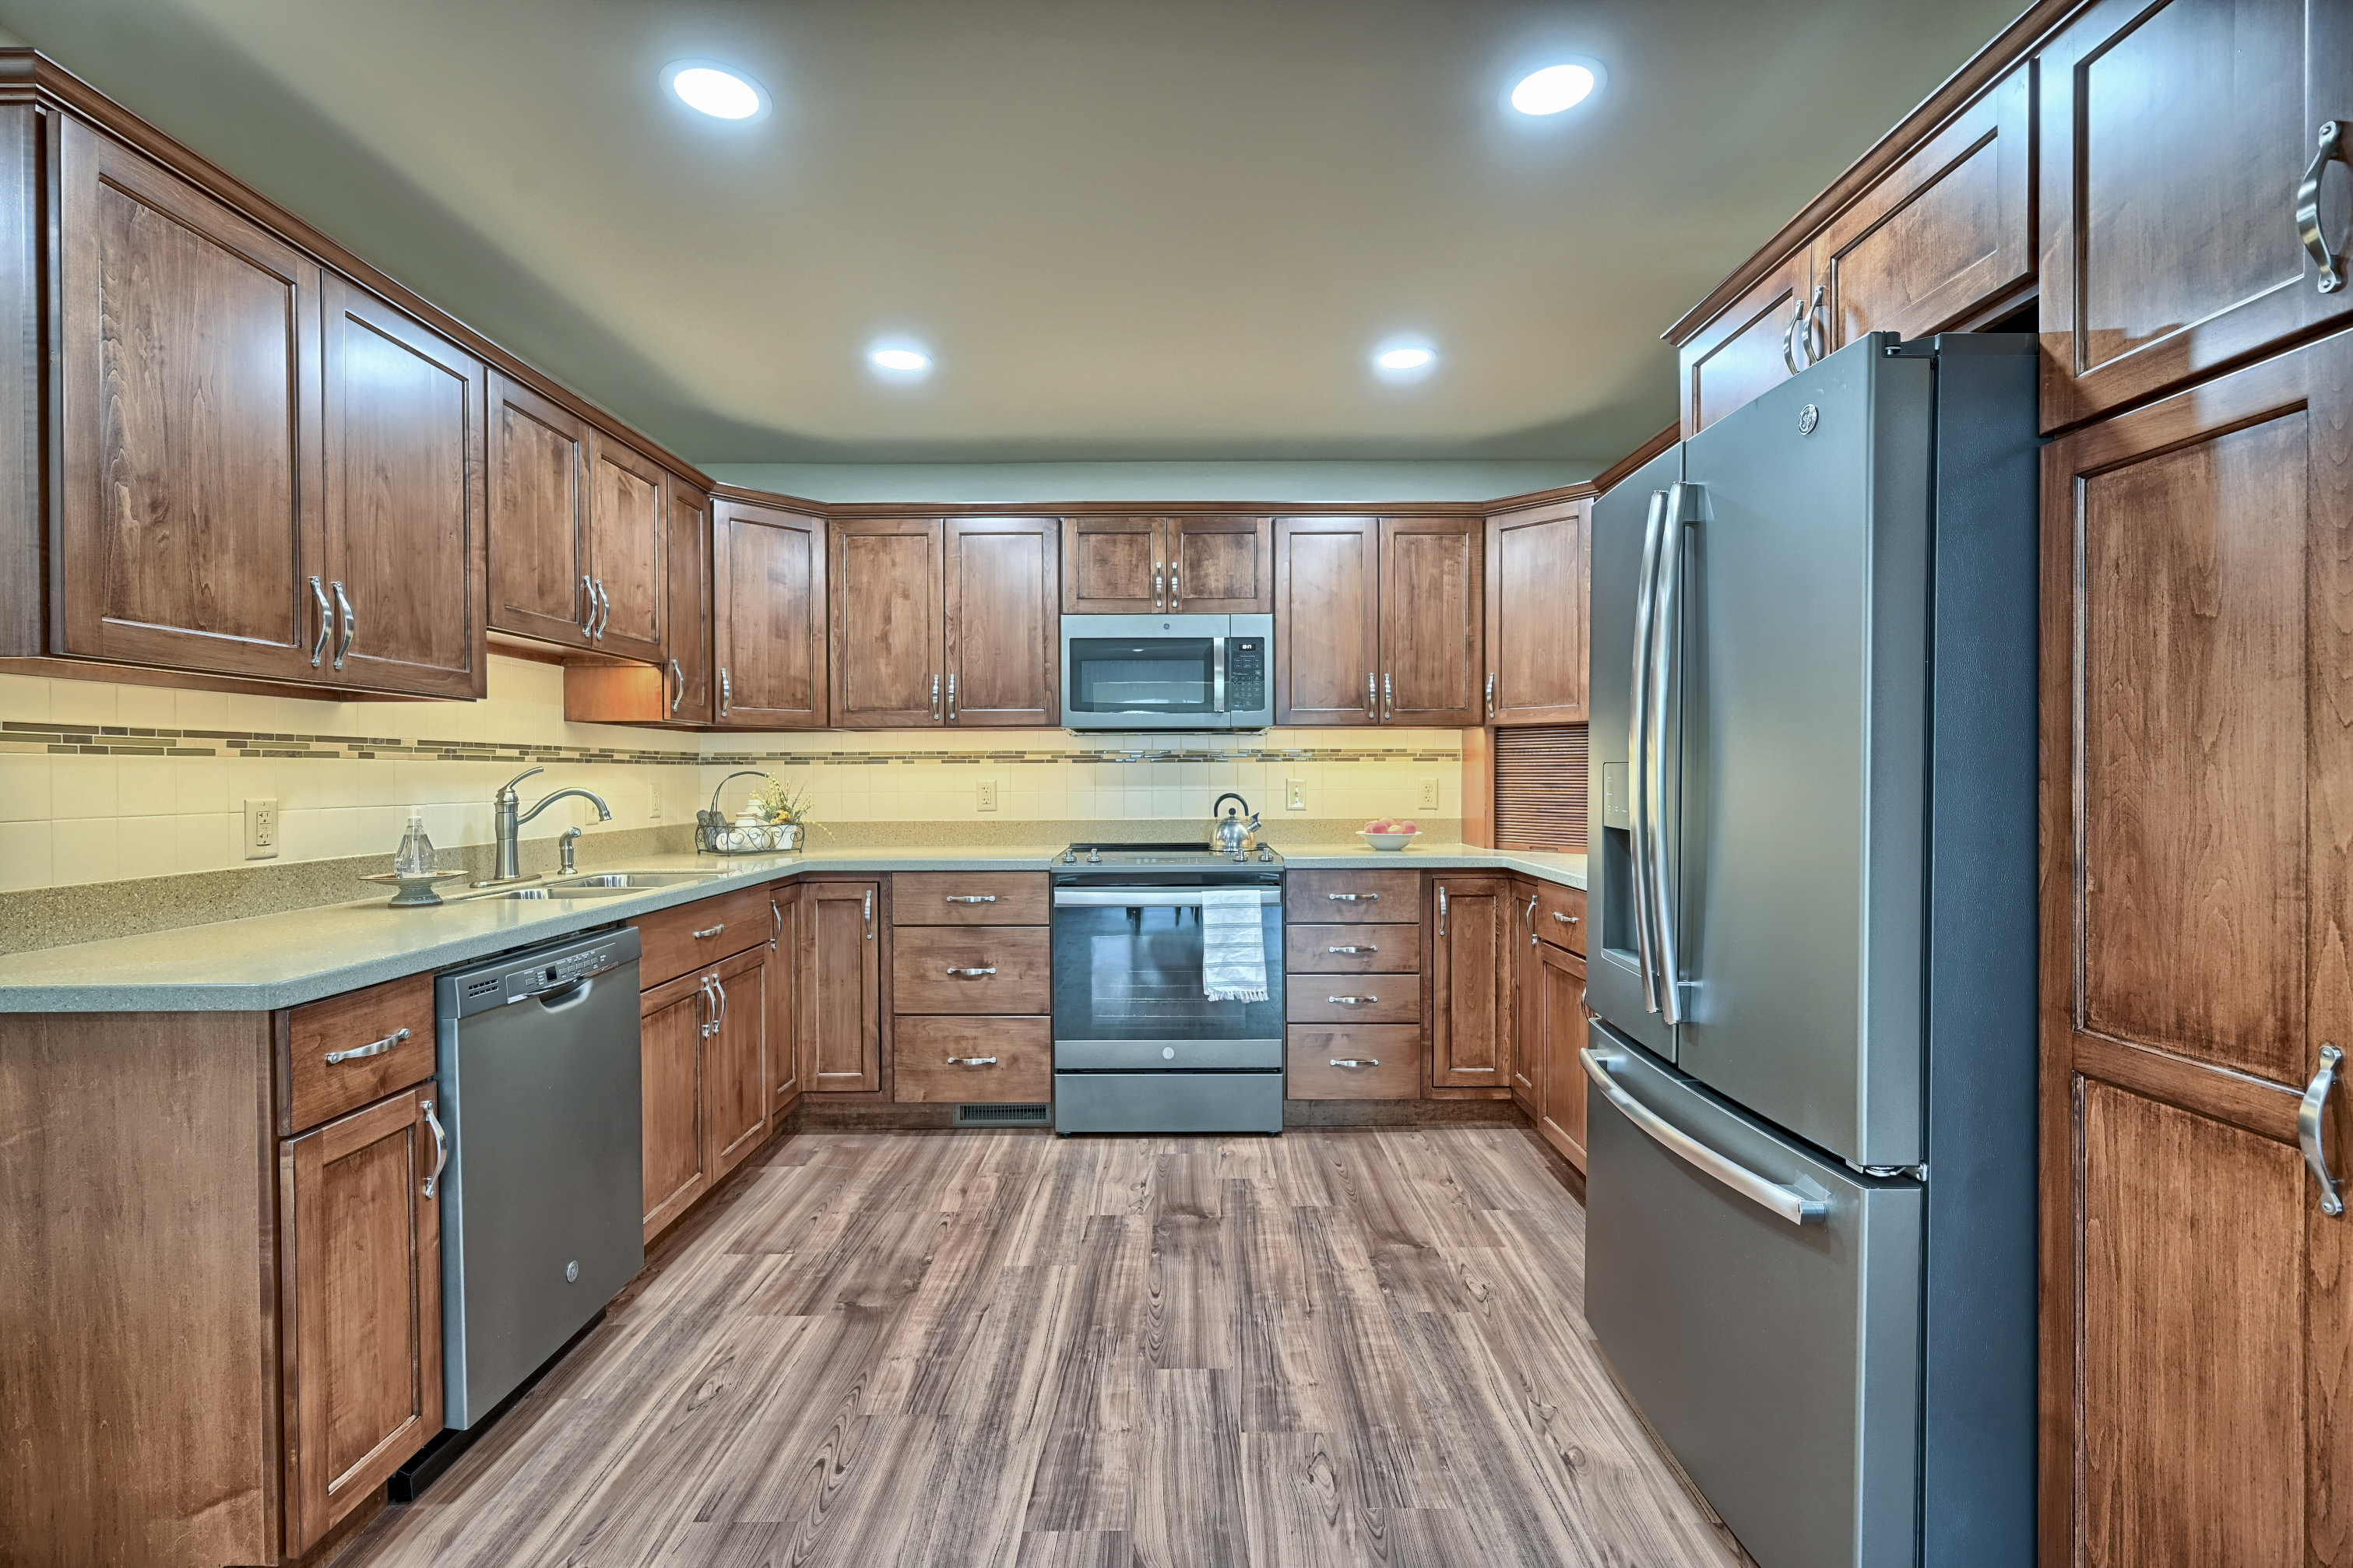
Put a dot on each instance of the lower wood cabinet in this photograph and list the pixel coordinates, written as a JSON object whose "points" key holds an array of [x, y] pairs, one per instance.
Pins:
{"points": [[1528, 1002], [839, 979], [1472, 986], [781, 989], [972, 1061], [1356, 1061], [706, 1090], [736, 1065], [1560, 1026]]}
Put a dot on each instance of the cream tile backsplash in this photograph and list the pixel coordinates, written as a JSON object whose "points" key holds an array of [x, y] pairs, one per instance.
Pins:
{"points": [[86, 798]]}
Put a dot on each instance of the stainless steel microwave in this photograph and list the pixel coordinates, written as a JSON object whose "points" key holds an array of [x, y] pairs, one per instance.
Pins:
{"points": [[1168, 672]]}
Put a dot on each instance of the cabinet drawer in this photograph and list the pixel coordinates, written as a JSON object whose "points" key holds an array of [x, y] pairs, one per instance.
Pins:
{"points": [[939, 969], [1387, 1058], [997, 1061], [1352, 999], [1355, 896], [1350, 949], [397, 1016], [692, 936], [1560, 915], [968, 899]]}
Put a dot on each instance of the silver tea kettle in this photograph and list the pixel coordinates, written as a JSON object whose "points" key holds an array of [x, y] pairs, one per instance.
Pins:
{"points": [[1229, 835]]}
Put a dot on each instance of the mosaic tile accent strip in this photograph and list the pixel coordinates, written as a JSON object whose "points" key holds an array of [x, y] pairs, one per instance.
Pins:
{"points": [[125, 741]]}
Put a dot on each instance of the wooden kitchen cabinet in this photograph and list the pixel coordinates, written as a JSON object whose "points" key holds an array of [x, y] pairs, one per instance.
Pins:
{"points": [[736, 1090], [540, 578], [1539, 563], [673, 1029], [2197, 1327], [360, 1290], [2174, 137], [1560, 1081], [1327, 620], [769, 589], [887, 582], [627, 508], [1206, 565], [1748, 347], [685, 687], [1111, 565], [1001, 644], [1433, 593], [1527, 1055], [840, 985], [780, 987], [1473, 989], [190, 524]]}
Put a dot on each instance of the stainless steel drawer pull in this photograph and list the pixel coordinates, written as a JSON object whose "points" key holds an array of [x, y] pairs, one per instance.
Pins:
{"points": [[1356, 1061], [972, 898], [373, 1049], [1796, 1208], [1366, 947], [1354, 898], [2307, 213], [1567, 920], [1352, 1001], [440, 1146], [972, 1061], [972, 974], [2311, 1117], [714, 931]]}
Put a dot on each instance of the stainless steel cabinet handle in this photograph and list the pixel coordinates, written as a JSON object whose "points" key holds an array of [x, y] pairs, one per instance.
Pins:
{"points": [[1388, 695], [1354, 898], [1353, 1001], [589, 592], [714, 931], [726, 690], [1156, 584], [935, 697], [2307, 214], [373, 1049], [440, 1146], [709, 1010], [1364, 947], [972, 1061], [982, 973], [604, 604], [1796, 1208], [1174, 593], [720, 987], [971, 897], [1372, 697], [1491, 694], [326, 623], [1797, 349], [678, 691], [1637, 748], [1566, 919], [350, 624], [951, 697], [1356, 1061], [2310, 1118], [776, 923], [870, 914], [1441, 908], [1528, 919]]}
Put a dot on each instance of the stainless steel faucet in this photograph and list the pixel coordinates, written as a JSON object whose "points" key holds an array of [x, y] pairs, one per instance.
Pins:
{"points": [[505, 820]]}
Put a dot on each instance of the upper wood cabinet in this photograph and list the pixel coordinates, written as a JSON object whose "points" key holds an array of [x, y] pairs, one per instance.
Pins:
{"points": [[1379, 620], [1432, 598], [1746, 348], [1538, 569], [769, 623], [1473, 984], [2174, 139], [540, 582], [1207, 564], [686, 683], [840, 985], [360, 1290], [887, 584], [405, 510], [626, 549], [1002, 643], [191, 529], [2196, 901]]}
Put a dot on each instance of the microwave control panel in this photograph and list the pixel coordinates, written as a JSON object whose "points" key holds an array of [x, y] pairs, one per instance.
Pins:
{"points": [[1246, 674]]}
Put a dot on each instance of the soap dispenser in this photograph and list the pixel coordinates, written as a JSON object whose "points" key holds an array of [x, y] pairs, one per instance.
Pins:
{"points": [[415, 857]]}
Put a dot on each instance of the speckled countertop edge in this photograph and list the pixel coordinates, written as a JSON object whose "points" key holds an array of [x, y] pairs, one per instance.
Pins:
{"points": [[268, 961]]}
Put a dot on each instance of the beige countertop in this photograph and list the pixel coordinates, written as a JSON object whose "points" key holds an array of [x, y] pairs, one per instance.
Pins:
{"points": [[278, 961]]}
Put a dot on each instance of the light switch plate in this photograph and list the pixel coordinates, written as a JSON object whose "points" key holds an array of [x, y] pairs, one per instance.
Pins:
{"points": [[1295, 794], [1426, 799], [988, 795], [261, 829]]}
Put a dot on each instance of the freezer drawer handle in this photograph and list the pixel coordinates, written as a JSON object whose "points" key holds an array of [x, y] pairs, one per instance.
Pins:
{"points": [[2309, 1118], [1787, 1202]]}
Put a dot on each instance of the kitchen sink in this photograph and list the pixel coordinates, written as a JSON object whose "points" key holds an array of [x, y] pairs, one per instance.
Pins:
{"points": [[561, 892], [618, 881]]}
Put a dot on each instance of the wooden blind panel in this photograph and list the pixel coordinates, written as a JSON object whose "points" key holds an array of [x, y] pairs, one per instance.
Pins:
{"points": [[1540, 787]]}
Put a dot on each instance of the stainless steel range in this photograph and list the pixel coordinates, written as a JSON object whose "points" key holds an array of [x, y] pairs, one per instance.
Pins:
{"points": [[1140, 1044]]}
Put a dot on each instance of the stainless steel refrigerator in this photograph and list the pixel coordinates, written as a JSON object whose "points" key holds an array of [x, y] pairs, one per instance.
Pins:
{"points": [[1810, 1207]]}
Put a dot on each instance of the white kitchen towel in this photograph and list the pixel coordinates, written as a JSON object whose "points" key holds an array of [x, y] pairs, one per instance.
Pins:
{"points": [[1233, 947]]}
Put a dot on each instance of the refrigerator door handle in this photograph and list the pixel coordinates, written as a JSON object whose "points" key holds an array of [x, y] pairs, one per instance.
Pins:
{"points": [[1638, 747], [1683, 506], [1791, 1204]]}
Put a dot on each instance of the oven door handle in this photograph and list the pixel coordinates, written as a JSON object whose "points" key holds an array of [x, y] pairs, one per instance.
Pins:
{"points": [[1143, 898]]}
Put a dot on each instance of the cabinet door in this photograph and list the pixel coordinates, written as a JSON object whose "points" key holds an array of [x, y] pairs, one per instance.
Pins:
{"points": [[188, 379], [1471, 983], [1221, 566], [1327, 645], [1942, 237], [1538, 565], [2195, 914], [1560, 997], [674, 1024], [841, 986], [2174, 137], [1745, 348], [1003, 623], [782, 993], [1433, 587], [539, 537], [1111, 563], [406, 507], [735, 1062], [1527, 1005], [769, 580], [626, 507], [360, 1288], [888, 665], [686, 666]]}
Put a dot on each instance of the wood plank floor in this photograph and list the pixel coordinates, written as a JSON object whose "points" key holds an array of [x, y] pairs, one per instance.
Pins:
{"points": [[1333, 1348]]}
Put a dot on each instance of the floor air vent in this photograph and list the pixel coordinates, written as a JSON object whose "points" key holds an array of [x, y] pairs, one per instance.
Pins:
{"points": [[1004, 1115]]}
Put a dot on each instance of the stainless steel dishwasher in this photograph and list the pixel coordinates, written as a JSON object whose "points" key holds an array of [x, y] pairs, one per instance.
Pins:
{"points": [[541, 1214]]}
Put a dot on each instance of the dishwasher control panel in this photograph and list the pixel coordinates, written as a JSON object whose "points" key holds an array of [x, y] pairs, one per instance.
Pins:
{"points": [[556, 972], [520, 976]]}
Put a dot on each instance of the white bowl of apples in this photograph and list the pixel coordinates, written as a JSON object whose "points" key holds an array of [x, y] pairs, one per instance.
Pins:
{"points": [[1388, 833]]}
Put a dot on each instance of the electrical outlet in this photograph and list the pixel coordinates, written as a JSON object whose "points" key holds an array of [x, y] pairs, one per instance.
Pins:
{"points": [[1428, 799], [261, 829], [1295, 794], [653, 802], [988, 795]]}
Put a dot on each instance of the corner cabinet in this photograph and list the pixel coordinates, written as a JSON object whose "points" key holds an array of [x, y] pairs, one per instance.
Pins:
{"points": [[1539, 564], [1378, 621], [947, 621]]}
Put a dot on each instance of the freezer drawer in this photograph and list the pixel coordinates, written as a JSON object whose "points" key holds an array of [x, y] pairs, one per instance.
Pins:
{"points": [[1777, 1356]]}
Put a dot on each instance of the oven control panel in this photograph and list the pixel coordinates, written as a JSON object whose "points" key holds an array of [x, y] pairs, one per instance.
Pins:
{"points": [[1246, 674]]}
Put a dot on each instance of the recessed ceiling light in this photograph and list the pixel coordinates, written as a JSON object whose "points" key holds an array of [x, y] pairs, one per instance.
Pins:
{"points": [[1404, 359], [1555, 88], [715, 90], [900, 361]]}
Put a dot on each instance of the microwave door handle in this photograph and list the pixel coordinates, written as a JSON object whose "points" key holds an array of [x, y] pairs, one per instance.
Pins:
{"points": [[1217, 675], [1637, 748]]}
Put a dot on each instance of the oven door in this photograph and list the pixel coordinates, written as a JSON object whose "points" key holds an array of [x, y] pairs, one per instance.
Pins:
{"points": [[1145, 672], [1127, 984]]}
